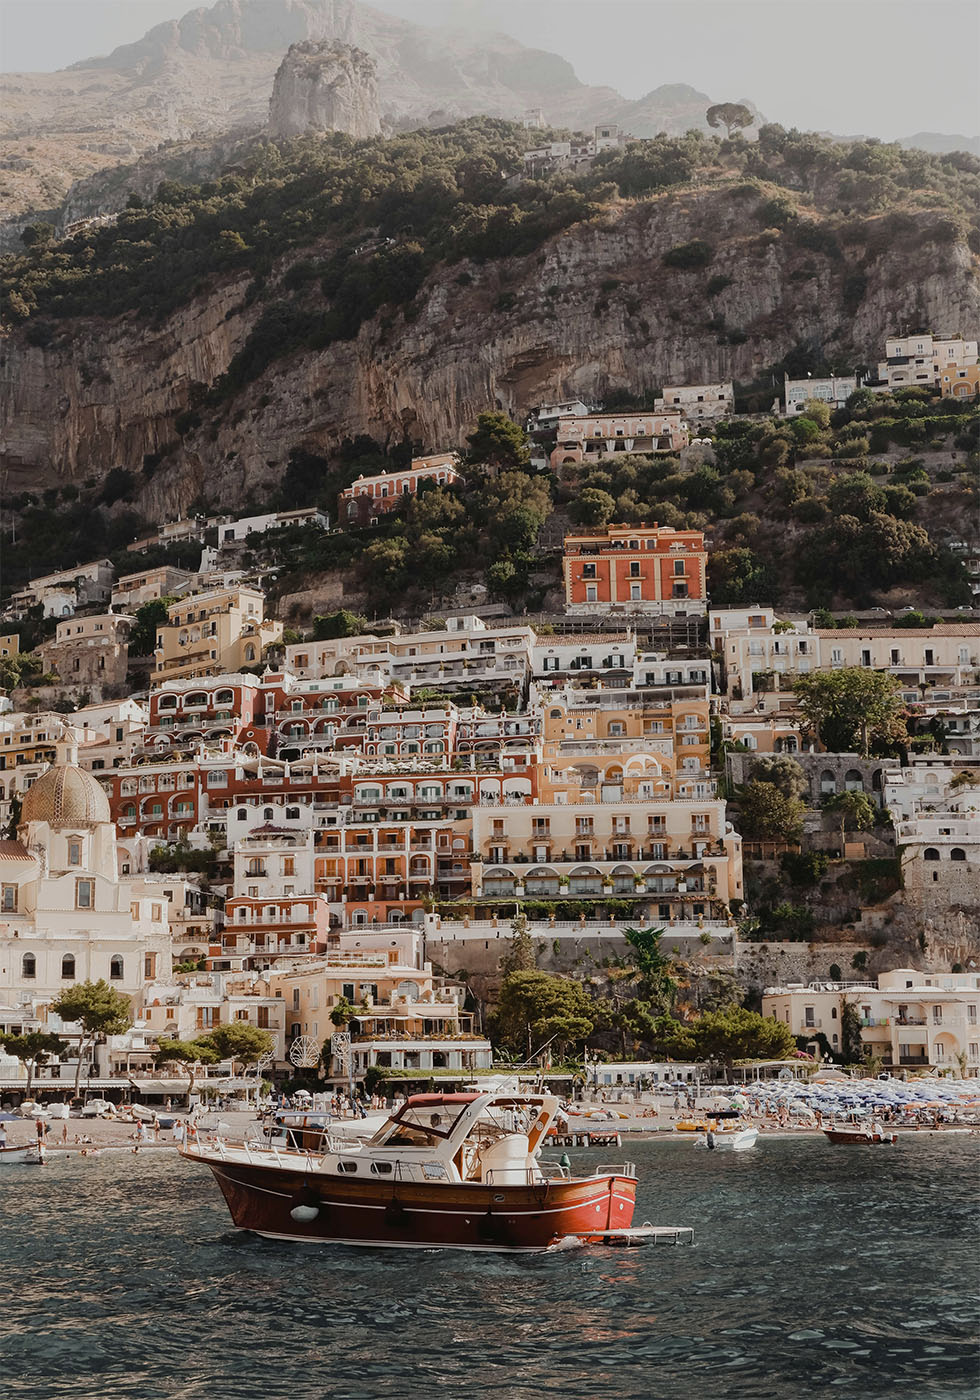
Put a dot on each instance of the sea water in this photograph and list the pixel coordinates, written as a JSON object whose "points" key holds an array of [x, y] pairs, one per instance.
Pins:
{"points": [[817, 1271]]}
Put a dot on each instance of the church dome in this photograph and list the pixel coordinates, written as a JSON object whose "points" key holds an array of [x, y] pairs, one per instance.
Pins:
{"points": [[65, 796]]}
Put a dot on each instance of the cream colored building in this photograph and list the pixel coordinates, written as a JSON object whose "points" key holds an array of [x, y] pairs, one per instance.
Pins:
{"points": [[405, 1019], [699, 403], [913, 1020], [212, 633], [943, 656], [607, 827], [91, 652], [133, 590], [923, 359]]}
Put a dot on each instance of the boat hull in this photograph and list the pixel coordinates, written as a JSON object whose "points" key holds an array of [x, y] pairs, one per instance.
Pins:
{"points": [[417, 1215], [15, 1156], [843, 1137]]}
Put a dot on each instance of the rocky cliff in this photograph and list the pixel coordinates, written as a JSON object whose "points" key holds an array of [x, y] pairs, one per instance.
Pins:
{"points": [[593, 309], [325, 86]]}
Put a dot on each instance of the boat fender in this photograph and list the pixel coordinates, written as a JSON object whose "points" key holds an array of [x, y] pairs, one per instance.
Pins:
{"points": [[304, 1214], [306, 1205]]}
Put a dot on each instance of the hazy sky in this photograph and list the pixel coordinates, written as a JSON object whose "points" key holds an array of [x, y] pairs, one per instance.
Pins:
{"points": [[887, 68]]}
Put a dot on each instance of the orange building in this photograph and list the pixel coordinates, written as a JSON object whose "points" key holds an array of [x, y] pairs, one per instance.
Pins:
{"points": [[635, 569]]}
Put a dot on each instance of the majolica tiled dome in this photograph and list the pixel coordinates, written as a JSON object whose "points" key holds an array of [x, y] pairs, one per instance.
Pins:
{"points": [[65, 796]]}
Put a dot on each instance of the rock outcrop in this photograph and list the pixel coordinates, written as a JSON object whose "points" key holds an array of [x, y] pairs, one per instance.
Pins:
{"points": [[325, 86], [105, 395]]}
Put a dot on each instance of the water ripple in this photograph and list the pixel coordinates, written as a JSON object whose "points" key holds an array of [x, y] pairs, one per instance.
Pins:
{"points": [[815, 1270]]}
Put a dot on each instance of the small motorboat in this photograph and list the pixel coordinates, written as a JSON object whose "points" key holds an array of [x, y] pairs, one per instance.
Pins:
{"points": [[30, 1153], [739, 1140], [860, 1137]]}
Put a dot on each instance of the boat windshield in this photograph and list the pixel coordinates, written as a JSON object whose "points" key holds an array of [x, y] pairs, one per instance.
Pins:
{"points": [[419, 1127]]}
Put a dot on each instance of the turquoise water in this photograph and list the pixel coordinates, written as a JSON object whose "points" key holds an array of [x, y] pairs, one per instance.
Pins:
{"points": [[817, 1271]]}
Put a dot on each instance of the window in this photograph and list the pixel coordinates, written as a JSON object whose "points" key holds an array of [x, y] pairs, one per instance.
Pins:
{"points": [[635, 570], [636, 592], [116, 968], [679, 566], [591, 594], [28, 966], [8, 902], [74, 852], [68, 968], [588, 571], [84, 894]]}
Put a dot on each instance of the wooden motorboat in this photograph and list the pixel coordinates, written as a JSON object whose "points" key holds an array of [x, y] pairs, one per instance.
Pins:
{"points": [[460, 1171], [860, 1137]]}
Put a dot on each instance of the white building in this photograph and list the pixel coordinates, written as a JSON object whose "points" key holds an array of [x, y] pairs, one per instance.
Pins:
{"points": [[66, 914], [912, 1019], [921, 359], [834, 391]]}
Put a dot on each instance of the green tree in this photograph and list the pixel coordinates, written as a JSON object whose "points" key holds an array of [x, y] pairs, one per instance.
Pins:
{"points": [[98, 1009], [36, 235], [33, 1049], [343, 623], [240, 1042], [520, 955], [149, 616], [188, 1055], [854, 811], [848, 708], [766, 814], [658, 985], [733, 1033], [497, 441], [592, 507], [783, 772], [534, 1007], [857, 495], [342, 1012], [733, 116]]}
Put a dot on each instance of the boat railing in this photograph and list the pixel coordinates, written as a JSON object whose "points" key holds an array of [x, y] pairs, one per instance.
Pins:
{"points": [[527, 1176], [615, 1169]]}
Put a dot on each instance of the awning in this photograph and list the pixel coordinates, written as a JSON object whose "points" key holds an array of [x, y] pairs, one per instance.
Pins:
{"points": [[152, 1086]]}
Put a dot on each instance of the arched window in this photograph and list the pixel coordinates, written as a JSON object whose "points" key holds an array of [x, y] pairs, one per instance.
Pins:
{"points": [[68, 967], [167, 702], [930, 853], [292, 813], [267, 814], [853, 781], [242, 814], [116, 968], [225, 697], [250, 652], [28, 967], [957, 853]]}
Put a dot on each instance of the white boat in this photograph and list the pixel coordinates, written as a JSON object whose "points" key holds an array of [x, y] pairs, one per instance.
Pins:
{"points": [[27, 1153], [739, 1141]]}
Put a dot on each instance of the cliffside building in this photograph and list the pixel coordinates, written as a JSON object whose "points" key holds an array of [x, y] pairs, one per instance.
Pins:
{"points": [[834, 392], [592, 436], [209, 634], [923, 359], [699, 403], [645, 569], [373, 496], [91, 652]]}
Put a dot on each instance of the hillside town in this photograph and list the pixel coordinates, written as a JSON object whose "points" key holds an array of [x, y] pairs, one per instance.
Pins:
{"points": [[346, 830]]}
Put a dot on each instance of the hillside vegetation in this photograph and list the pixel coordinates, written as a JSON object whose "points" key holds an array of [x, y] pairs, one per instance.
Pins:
{"points": [[443, 196]]}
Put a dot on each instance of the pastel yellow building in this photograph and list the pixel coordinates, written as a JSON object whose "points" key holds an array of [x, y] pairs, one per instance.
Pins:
{"points": [[213, 633]]}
